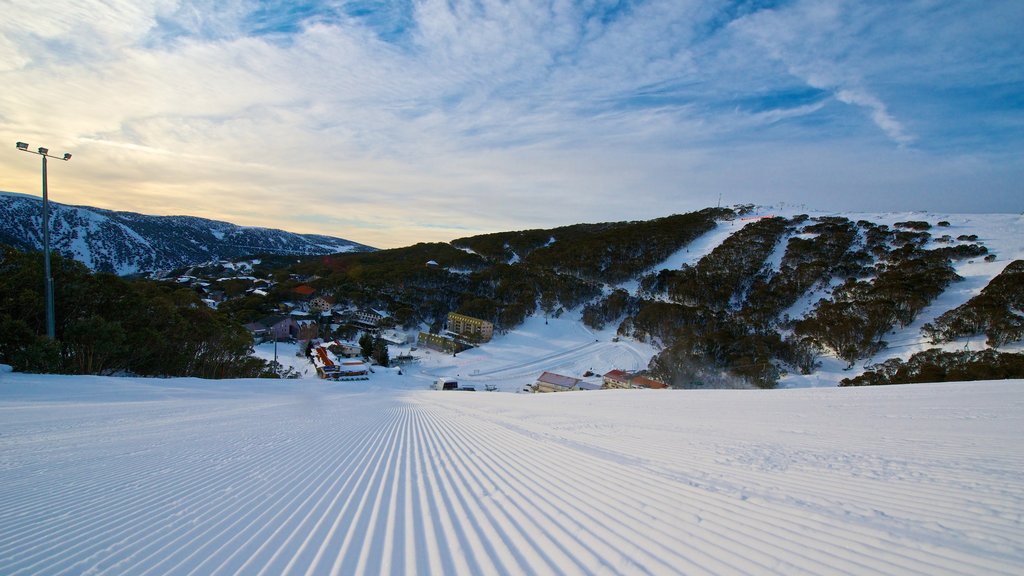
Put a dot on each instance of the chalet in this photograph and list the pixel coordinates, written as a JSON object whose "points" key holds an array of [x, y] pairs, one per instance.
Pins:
{"points": [[551, 382], [272, 327], [616, 379], [344, 349], [306, 329]]}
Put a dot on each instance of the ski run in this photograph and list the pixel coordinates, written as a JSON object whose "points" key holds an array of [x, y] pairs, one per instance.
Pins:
{"points": [[184, 476]]}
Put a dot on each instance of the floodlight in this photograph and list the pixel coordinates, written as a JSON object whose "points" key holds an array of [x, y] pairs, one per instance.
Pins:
{"points": [[47, 275]]}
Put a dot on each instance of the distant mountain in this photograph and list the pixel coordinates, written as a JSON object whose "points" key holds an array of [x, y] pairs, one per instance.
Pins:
{"points": [[128, 243]]}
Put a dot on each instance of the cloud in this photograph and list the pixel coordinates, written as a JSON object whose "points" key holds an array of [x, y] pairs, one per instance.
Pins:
{"points": [[817, 42], [395, 122]]}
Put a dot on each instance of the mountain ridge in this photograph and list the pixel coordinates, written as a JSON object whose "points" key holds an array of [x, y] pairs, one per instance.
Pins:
{"points": [[126, 243]]}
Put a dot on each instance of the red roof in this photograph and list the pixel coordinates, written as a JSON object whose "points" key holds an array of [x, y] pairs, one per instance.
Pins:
{"points": [[648, 383], [620, 375], [304, 289]]}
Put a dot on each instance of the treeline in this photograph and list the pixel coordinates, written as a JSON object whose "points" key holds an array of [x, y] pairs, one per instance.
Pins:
{"points": [[501, 277], [105, 324], [937, 366], [608, 252], [996, 312]]}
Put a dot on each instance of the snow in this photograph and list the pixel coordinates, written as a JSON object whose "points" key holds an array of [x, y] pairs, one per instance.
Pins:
{"points": [[185, 476], [106, 475], [562, 345]]}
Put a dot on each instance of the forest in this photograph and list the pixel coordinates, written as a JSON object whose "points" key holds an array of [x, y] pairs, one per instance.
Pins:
{"points": [[105, 324]]}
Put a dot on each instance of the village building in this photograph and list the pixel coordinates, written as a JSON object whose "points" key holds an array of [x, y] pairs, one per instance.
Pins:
{"points": [[394, 337], [622, 379], [335, 369], [650, 383], [370, 319], [275, 327], [306, 329], [616, 379], [440, 343], [551, 382], [319, 304], [471, 328], [344, 349]]}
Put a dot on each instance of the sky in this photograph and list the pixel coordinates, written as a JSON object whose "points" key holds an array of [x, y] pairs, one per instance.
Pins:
{"points": [[391, 123]]}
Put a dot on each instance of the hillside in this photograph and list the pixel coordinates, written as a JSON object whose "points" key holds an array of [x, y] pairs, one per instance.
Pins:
{"points": [[723, 297], [740, 296], [129, 243], [185, 476]]}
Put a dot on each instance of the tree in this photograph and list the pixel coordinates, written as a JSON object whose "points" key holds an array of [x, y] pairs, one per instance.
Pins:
{"points": [[366, 345], [380, 352]]}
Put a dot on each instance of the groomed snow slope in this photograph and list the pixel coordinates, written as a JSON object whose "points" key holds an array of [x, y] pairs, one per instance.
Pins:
{"points": [[182, 476]]}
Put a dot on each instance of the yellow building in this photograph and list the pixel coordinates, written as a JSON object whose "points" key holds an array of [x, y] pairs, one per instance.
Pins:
{"points": [[470, 328]]}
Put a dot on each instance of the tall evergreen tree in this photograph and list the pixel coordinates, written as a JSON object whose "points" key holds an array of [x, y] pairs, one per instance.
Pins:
{"points": [[380, 352]]}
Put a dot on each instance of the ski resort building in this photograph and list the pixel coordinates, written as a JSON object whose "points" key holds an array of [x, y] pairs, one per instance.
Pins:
{"points": [[551, 382], [328, 368], [474, 329], [370, 319], [622, 379], [440, 343], [617, 379]]}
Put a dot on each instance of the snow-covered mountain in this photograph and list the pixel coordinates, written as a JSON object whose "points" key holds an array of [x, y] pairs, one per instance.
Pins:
{"points": [[127, 242]]}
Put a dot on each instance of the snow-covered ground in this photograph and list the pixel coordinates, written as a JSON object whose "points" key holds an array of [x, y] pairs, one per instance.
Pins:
{"points": [[563, 345], [184, 476]]}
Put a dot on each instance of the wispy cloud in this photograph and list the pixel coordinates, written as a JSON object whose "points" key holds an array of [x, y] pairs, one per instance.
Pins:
{"points": [[396, 122]]}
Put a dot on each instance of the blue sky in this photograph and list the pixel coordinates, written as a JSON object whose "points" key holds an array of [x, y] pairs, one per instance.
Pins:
{"points": [[391, 123]]}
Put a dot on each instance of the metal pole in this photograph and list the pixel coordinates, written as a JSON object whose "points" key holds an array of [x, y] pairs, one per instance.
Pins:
{"points": [[47, 277]]}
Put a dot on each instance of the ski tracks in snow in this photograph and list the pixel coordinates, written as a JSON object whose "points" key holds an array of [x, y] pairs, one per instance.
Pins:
{"points": [[336, 482]]}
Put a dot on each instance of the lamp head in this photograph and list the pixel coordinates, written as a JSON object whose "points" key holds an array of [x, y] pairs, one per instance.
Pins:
{"points": [[22, 145], [44, 150], [67, 156]]}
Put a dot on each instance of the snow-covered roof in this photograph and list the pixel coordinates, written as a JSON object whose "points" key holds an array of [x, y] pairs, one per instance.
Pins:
{"points": [[558, 380]]}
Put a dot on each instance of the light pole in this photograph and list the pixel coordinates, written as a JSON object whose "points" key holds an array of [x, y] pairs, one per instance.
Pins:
{"points": [[47, 277]]}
